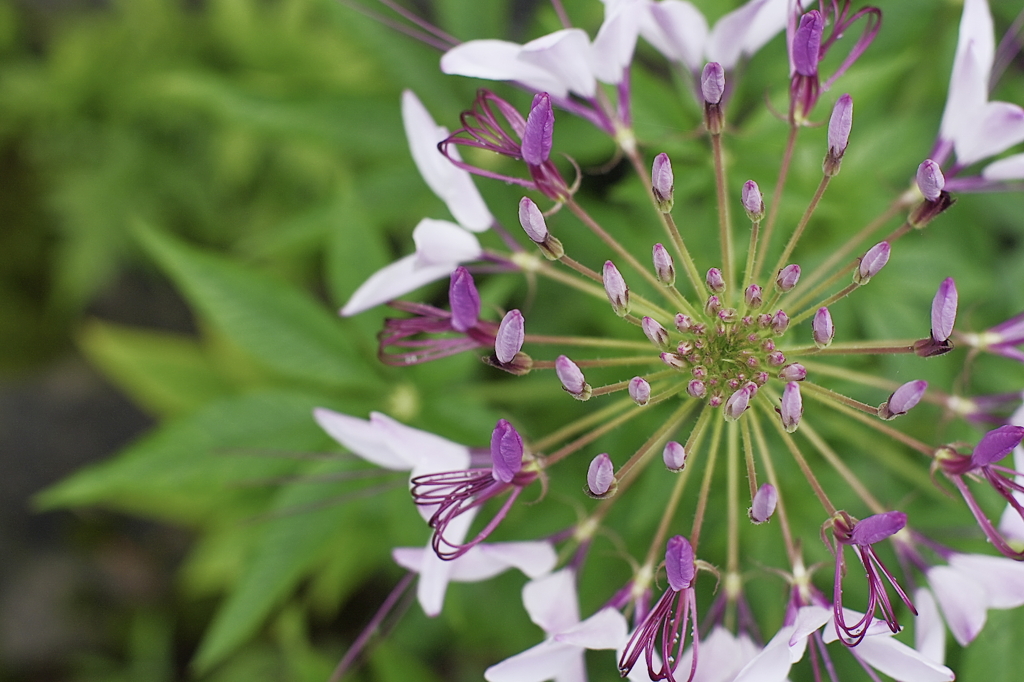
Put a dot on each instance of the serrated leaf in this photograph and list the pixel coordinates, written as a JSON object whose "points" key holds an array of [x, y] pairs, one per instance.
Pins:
{"points": [[277, 324]]}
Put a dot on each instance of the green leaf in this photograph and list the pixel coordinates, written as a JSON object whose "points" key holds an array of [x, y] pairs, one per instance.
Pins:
{"points": [[277, 324], [167, 374]]}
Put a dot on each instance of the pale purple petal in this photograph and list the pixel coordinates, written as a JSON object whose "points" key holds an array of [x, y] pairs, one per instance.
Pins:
{"points": [[897, 660], [450, 183], [873, 261], [944, 310], [839, 125], [441, 243], [679, 563], [788, 277], [506, 451], [962, 602], [566, 55], [930, 180], [601, 474], [996, 444], [570, 375], [995, 128], [510, 336], [678, 30], [822, 328], [498, 60], [489, 559], [540, 126], [612, 50], [791, 409], [904, 398], [639, 390], [662, 180], [548, 660], [929, 630], [878, 527], [532, 220], [1002, 579], [551, 601], [752, 199], [744, 31], [807, 43], [972, 65], [606, 629], [1010, 168], [712, 82], [674, 456], [464, 300], [763, 505]]}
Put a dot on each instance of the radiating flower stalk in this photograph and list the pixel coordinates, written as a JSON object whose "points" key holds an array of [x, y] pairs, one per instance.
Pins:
{"points": [[736, 350]]}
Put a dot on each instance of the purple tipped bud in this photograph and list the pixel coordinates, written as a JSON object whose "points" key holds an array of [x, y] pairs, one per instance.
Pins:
{"points": [[662, 182], [902, 399], [753, 297], [822, 328], [876, 528], [532, 220], [674, 456], [738, 403], [763, 505], [838, 134], [780, 322], [540, 127], [655, 333], [464, 300], [776, 358], [509, 339], [615, 287], [944, 310], [996, 444], [683, 322], [572, 378], [712, 82], [930, 180], [506, 452], [697, 388], [787, 277], [806, 48], [673, 360], [679, 563], [753, 201], [664, 268], [712, 305], [792, 407], [601, 475], [639, 391], [872, 262], [794, 372], [715, 281]]}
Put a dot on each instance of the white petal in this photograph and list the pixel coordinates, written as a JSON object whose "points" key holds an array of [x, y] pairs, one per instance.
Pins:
{"points": [[976, 28], [678, 30], [1002, 579], [546, 661], [429, 452], [772, 664], [808, 619], [409, 558], [488, 560], [551, 601], [451, 184], [897, 660], [995, 128], [394, 280], [744, 31], [606, 629], [720, 657], [877, 626], [363, 438], [566, 55], [613, 47], [1010, 168], [1011, 525], [929, 631], [968, 93], [962, 602], [441, 243], [498, 60]]}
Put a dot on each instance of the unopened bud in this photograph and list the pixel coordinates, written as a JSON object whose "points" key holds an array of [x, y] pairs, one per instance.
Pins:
{"points": [[572, 378], [639, 391], [763, 505], [944, 311], [712, 87], [838, 135], [806, 47], [712, 305], [902, 399], [506, 452], [539, 131], [753, 297], [662, 182], [872, 262], [787, 277], [794, 372], [615, 288], [791, 408], [780, 322], [673, 360], [697, 388], [510, 337], [601, 476], [738, 403], [683, 322], [464, 300], [822, 328], [753, 201], [930, 180], [674, 456], [532, 220], [664, 268], [654, 332], [715, 281]]}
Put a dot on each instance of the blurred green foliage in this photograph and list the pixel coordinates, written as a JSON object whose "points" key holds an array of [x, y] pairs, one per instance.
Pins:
{"points": [[251, 152]]}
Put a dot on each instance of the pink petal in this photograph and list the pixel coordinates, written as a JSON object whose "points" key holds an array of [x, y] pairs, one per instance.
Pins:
{"points": [[897, 660], [962, 602], [451, 184], [551, 601], [498, 60]]}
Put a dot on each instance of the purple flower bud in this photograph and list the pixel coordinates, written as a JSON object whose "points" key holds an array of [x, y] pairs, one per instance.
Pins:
{"points": [[655, 333], [664, 268], [572, 378], [930, 180], [807, 43], [902, 399], [464, 300], [996, 444], [822, 329], [697, 388], [839, 126], [753, 296], [787, 277], [511, 334], [674, 456], [683, 322], [639, 391], [615, 287], [506, 452], [540, 127], [763, 505], [532, 220], [715, 281], [601, 475], [872, 262], [738, 403], [712, 305], [712, 82], [662, 182], [780, 322], [792, 407], [673, 360], [944, 310], [753, 201], [876, 528], [679, 563], [794, 372]]}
